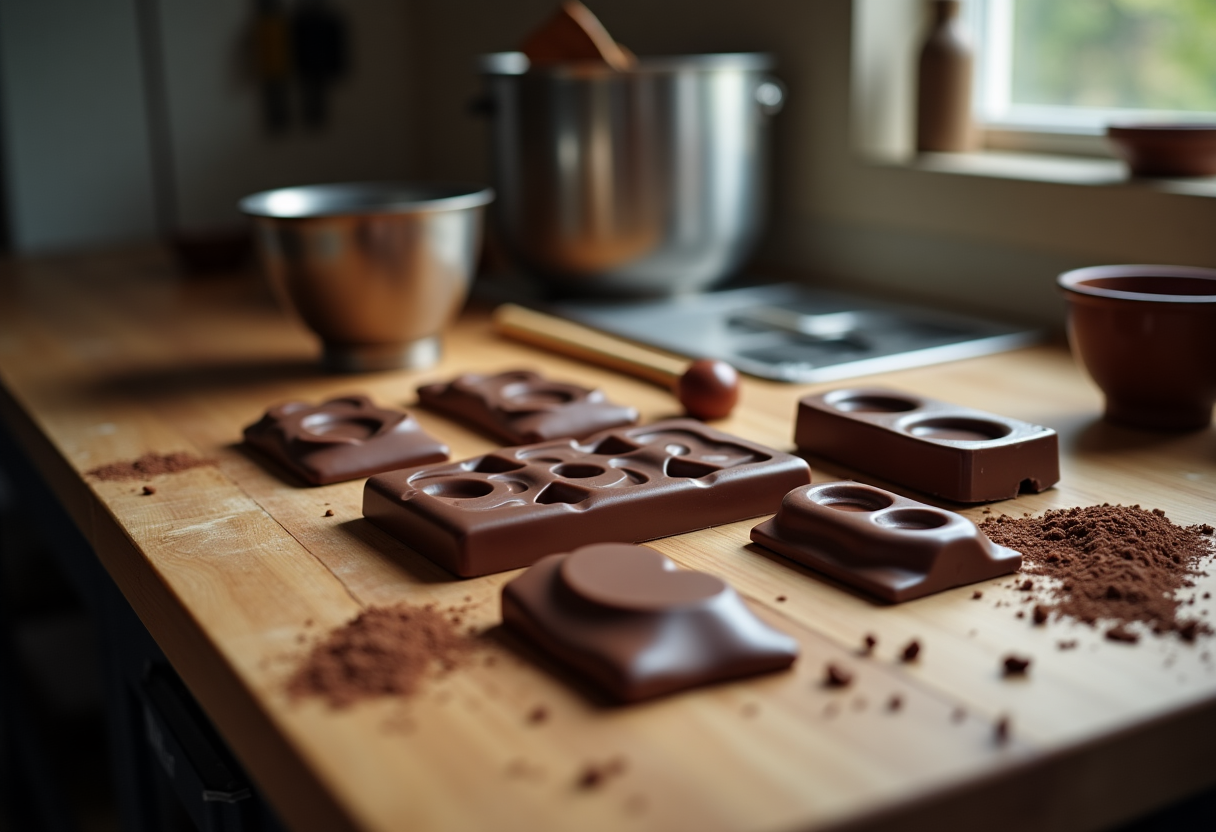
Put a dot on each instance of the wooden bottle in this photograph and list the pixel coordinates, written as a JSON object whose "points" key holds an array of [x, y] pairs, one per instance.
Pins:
{"points": [[943, 84]]}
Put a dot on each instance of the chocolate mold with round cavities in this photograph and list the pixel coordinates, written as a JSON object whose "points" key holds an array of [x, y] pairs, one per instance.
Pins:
{"points": [[882, 543], [521, 407], [509, 508], [942, 449], [341, 439], [627, 619]]}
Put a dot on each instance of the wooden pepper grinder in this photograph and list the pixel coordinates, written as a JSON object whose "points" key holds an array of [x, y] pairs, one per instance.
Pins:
{"points": [[943, 88]]}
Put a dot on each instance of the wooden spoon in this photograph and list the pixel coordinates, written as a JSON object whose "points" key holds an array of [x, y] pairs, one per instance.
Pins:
{"points": [[573, 33]]}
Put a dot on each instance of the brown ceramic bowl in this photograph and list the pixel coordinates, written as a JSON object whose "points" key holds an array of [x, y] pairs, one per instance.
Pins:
{"points": [[1147, 336], [1166, 149]]}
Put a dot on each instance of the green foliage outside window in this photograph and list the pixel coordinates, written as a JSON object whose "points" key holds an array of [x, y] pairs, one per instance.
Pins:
{"points": [[1140, 54]]}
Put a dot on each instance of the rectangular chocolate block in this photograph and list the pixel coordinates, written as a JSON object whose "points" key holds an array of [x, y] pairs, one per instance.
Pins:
{"points": [[521, 407], [942, 449], [882, 543], [509, 508], [342, 439]]}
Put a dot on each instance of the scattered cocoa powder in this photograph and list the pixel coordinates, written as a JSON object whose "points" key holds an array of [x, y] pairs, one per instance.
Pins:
{"points": [[837, 677], [1119, 564], [1070, 644], [911, 651], [895, 703], [750, 709], [148, 465], [384, 651], [1016, 666], [538, 715], [958, 714]]}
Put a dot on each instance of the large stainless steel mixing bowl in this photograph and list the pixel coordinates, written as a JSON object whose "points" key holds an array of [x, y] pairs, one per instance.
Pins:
{"points": [[646, 182], [376, 269]]}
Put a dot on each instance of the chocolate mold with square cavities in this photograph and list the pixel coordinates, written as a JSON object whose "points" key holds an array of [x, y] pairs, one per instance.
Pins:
{"points": [[629, 620], [882, 543], [521, 407], [508, 508], [942, 449], [342, 439]]}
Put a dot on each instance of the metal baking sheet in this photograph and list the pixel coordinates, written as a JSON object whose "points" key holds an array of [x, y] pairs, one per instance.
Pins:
{"points": [[795, 333]]}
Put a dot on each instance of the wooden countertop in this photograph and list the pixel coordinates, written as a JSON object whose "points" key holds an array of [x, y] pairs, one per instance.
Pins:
{"points": [[107, 357]]}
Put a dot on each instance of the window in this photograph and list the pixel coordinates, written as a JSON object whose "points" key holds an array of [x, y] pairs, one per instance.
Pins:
{"points": [[1073, 66]]}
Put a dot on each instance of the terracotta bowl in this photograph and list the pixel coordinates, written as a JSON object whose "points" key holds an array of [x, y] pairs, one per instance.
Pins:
{"points": [[1147, 336], [1166, 149]]}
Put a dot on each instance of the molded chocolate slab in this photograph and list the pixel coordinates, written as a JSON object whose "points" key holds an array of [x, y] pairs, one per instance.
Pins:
{"points": [[939, 448], [629, 620], [521, 407], [513, 506], [341, 439], [882, 543]]}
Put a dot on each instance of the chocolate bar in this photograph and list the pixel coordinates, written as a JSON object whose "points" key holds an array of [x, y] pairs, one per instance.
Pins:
{"points": [[521, 407], [508, 508], [626, 618], [882, 543], [341, 439], [942, 449]]}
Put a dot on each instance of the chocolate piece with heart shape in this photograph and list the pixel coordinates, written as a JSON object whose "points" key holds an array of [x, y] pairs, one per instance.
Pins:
{"points": [[341, 439], [521, 407], [628, 620]]}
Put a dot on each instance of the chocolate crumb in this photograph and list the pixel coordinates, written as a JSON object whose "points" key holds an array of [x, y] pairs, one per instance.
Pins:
{"points": [[1001, 730], [869, 642], [1122, 634], [1070, 644], [1021, 614], [837, 676], [1189, 631], [895, 703], [149, 489], [538, 715], [1206, 529], [1016, 666], [1027, 585], [329, 512], [911, 651], [977, 595], [780, 599], [1040, 614], [595, 775]]}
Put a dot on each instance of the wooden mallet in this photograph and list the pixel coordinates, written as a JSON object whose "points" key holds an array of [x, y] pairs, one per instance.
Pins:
{"points": [[707, 388]]}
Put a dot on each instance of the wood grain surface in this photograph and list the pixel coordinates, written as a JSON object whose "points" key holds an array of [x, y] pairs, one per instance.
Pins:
{"points": [[235, 572]]}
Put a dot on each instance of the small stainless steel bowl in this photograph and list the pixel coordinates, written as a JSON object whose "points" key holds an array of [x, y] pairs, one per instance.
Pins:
{"points": [[376, 269]]}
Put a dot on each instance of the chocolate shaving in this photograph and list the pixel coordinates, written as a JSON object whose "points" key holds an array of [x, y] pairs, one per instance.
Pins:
{"points": [[911, 651], [1114, 564], [148, 465], [1016, 666], [837, 677]]}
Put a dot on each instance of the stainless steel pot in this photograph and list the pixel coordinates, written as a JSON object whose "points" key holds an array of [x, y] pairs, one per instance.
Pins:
{"points": [[646, 182]]}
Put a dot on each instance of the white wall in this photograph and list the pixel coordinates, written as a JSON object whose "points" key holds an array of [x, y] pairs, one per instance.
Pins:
{"points": [[75, 133]]}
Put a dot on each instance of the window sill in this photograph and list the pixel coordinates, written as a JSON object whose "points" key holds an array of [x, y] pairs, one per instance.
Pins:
{"points": [[1057, 169]]}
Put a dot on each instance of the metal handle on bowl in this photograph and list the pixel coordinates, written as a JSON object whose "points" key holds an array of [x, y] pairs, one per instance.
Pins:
{"points": [[770, 95]]}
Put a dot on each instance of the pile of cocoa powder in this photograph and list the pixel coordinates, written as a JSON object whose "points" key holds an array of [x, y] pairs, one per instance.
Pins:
{"points": [[384, 651], [1111, 564], [148, 465]]}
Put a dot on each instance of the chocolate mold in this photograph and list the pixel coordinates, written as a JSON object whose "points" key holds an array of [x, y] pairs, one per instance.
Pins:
{"points": [[626, 618], [508, 508], [882, 543], [939, 448], [521, 407], [341, 439]]}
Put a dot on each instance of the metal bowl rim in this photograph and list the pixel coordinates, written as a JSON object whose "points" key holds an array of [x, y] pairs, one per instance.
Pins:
{"points": [[362, 198], [516, 63]]}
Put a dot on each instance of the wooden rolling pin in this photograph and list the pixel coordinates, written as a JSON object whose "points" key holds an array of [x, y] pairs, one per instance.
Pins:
{"points": [[707, 388]]}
